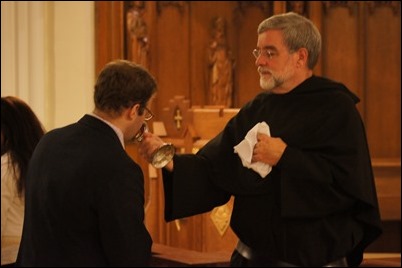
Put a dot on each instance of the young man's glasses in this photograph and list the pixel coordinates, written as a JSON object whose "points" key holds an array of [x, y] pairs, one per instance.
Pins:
{"points": [[148, 115]]}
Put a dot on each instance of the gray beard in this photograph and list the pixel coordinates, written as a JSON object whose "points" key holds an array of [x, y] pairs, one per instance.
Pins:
{"points": [[269, 84]]}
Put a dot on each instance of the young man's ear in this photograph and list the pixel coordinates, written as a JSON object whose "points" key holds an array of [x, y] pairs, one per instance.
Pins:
{"points": [[134, 111]]}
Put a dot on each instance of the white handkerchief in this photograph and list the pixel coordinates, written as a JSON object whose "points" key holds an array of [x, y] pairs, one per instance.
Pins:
{"points": [[245, 149]]}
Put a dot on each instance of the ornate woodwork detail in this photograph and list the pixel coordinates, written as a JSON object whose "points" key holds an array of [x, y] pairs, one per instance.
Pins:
{"points": [[351, 5], [136, 5], [160, 5], [265, 6], [221, 66], [138, 42], [176, 117], [395, 6], [300, 7], [220, 217]]}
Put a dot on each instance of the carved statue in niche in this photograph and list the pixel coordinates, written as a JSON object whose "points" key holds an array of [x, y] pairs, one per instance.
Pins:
{"points": [[138, 33], [299, 7], [220, 65]]}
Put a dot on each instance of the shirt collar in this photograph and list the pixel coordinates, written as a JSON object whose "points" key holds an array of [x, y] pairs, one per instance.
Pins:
{"points": [[115, 128]]}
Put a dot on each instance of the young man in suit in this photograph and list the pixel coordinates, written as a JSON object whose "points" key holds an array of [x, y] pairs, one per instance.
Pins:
{"points": [[84, 194]]}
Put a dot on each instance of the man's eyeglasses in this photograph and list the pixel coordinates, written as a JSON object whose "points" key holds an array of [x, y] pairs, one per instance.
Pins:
{"points": [[148, 115], [264, 52]]}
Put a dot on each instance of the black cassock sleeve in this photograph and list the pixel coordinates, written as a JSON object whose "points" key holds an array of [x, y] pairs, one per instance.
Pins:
{"points": [[188, 191]]}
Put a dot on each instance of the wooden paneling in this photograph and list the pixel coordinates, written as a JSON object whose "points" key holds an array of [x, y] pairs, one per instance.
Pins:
{"points": [[383, 82], [202, 14], [340, 46], [109, 29], [171, 50], [387, 173], [246, 75], [359, 52]]}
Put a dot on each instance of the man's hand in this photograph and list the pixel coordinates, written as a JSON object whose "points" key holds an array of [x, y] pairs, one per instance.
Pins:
{"points": [[268, 149]]}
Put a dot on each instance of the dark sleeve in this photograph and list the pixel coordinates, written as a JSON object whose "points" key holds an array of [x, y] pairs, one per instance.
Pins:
{"points": [[120, 208], [189, 189], [203, 181]]}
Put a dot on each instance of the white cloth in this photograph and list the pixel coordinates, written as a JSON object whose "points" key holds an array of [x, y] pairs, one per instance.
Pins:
{"points": [[245, 149], [12, 213]]}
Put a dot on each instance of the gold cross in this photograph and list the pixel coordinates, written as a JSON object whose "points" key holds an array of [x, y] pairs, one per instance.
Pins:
{"points": [[178, 118]]}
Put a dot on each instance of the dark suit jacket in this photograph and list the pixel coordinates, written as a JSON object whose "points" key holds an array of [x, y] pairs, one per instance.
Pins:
{"points": [[84, 201]]}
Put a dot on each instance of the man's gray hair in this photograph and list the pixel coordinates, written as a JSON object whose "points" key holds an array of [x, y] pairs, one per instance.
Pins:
{"points": [[298, 32]]}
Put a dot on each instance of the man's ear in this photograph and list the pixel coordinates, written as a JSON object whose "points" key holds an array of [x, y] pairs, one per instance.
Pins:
{"points": [[134, 111], [302, 54]]}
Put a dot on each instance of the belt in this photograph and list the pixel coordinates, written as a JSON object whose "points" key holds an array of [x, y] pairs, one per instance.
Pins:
{"points": [[249, 254]]}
